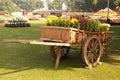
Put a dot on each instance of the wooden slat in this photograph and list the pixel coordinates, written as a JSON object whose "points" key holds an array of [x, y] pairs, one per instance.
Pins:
{"points": [[50, 43], [37, 42], [18, 41], [58, 57]]}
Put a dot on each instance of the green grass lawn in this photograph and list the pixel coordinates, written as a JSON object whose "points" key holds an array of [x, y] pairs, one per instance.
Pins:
{"points": [[33, 62]]}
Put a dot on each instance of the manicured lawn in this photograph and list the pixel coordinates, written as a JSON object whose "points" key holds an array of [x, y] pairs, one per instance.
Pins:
{"points": [[33, 62]]}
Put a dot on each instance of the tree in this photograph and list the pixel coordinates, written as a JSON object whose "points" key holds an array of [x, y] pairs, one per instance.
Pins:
{"points": [[55, 5], [81, 5], [73, 5], [29, 5], [8, 6], [117, 2], [89, 5], [103, 4], [70, 4]]}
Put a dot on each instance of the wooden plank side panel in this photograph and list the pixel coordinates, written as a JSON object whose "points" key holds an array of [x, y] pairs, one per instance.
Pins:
{"points": [[50, 33], [59, 34], [55, 34], [45, 33], [66, 35]]}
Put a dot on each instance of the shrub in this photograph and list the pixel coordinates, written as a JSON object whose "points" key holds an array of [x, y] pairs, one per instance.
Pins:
{"points": [[17, 22]]}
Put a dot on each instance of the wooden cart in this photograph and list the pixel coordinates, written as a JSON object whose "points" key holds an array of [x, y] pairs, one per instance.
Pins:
{"points": [[60, 40]]}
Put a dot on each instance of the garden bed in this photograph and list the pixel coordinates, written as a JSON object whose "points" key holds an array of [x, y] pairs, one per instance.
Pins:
{"points": [[17, 22], [17, 25]]}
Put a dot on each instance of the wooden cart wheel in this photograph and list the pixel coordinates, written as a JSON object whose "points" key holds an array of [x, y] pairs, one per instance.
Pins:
{"points": [[64, 51], [91, 51]]}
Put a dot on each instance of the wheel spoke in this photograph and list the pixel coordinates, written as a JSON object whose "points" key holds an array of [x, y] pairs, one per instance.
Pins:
{"points": [[96, 46], [95, 56], [56, 49], [97, 50], [92, 41], [90, 57], [90, 44], [88, 53], [89, 47], [95, 43], [63, 51]]}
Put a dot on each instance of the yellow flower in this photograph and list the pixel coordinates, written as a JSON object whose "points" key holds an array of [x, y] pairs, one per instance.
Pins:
{"points": [[73, 20], [49, 20]]}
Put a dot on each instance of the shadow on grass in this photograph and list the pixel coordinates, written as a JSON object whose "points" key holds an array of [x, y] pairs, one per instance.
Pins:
{"points": [[113, 57], [114, 47], [15, 71], [20, 57]]}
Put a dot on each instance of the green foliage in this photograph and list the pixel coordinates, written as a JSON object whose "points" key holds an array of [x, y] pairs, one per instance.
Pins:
{"points": [[95, 2], [73, 5], [29, 5], [117, 2], [93, 25], [55, 5], [64, 22], [78, 22], [89, 5], [96, 26], [17, 22], [7, 6]]}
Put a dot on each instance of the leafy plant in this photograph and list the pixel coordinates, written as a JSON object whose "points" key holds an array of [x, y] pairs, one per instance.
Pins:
{"points": [[17, 22], [65, 22], [79, 22]]}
